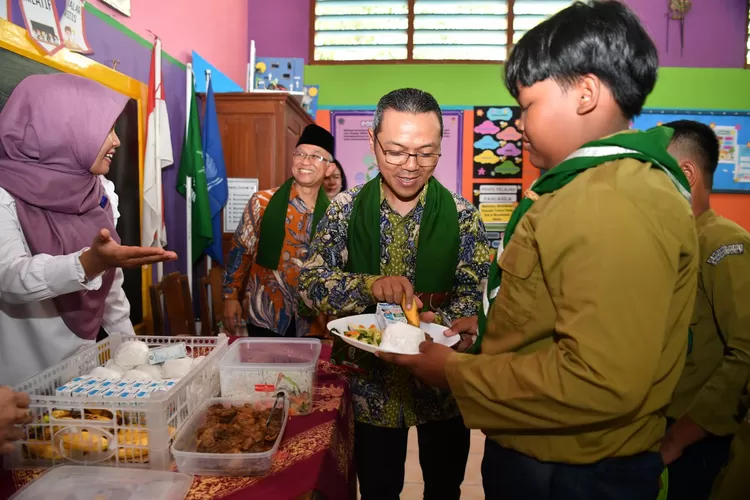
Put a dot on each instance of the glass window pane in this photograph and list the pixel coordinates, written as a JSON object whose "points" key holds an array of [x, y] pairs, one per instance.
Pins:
{"points": [[539, 7], [525, 23], [460, 37], [460, 53], [364, 7], [365, 53], [360, 38], [339, 23], [461, 7], [436, 22]]}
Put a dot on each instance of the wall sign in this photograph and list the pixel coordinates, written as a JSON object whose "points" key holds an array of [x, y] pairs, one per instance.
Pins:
{"points": [[41, 19], [240, 192], [73, 27]]}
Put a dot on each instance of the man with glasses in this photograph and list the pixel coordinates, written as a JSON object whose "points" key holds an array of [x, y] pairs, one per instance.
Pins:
{"points": [[271, 242], [401, 235]]}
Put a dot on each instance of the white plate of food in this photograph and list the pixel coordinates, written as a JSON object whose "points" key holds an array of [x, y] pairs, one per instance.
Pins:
{"points": [[362, 332]]}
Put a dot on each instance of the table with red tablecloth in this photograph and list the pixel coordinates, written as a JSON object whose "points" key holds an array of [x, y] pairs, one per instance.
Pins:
{"points": [[315, 459]]}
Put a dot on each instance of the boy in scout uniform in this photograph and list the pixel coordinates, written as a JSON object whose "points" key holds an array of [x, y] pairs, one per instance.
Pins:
{"points": [[584, 328], [709, 402]]}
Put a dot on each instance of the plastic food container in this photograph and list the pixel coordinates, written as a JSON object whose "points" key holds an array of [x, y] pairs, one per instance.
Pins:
{"points": [[70, 481], [190, 461], [259, 368]]}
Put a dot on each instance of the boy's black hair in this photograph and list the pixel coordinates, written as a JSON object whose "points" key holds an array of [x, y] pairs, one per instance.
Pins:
{"points": [[603, 38], [698, 142]]}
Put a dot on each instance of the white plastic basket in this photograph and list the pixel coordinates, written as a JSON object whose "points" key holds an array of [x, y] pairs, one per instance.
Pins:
{"points": [[138, 432]]}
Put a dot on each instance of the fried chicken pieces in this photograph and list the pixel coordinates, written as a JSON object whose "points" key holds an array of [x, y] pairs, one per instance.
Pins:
{"points": [[238, 429]]}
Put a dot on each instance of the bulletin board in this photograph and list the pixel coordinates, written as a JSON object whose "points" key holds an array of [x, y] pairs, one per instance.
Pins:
{"points": [[498, 151], [350, 132], [733, 130]]}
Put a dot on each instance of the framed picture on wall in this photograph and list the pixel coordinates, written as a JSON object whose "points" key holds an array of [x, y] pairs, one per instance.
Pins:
{"points": [[732, 129]]}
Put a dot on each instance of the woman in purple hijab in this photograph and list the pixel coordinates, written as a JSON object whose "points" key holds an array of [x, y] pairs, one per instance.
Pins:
{"points": [[60, 255]]}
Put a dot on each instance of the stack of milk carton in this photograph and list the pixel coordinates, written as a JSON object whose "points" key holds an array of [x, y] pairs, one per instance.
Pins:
{"points": [[88, 386]]}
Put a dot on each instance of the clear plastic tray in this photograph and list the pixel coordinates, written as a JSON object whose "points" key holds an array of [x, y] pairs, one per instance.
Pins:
{"points": [[224, 464], [74, 482], [259, 368]]}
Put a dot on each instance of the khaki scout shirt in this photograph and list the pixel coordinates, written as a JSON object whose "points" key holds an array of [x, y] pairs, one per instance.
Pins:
{"points": [[588, 335], [711, 387]]}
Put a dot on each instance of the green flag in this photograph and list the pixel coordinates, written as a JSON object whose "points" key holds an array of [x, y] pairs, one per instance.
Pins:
{"points": [[191, 165]]}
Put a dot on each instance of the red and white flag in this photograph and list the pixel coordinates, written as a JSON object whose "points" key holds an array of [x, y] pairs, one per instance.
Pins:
{"points": [[158, 156]]}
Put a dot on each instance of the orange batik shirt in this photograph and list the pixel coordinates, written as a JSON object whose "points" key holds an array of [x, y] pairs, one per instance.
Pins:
{"points": [[271, 295]]}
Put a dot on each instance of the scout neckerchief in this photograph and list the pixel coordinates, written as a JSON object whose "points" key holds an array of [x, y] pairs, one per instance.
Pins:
{"points": [[437, 247], [649, 146], [273, 224]]}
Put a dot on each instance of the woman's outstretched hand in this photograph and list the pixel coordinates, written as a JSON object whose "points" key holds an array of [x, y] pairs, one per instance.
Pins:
{"points": [[105, 253]]}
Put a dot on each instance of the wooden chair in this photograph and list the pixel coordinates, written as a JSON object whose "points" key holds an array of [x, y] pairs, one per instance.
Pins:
{"points": [[212, 313], [178, 305]]}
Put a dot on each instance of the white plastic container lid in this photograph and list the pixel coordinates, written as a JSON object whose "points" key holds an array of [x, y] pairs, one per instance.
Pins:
{"points": [[71, 482], [291, 354]]}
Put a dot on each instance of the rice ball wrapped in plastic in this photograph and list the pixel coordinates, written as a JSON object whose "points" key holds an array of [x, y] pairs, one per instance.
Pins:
{"points": [[402, 338], [104, 373], [114, 366], [153, 371], [131, 354], [176, 368], [135, 375]]}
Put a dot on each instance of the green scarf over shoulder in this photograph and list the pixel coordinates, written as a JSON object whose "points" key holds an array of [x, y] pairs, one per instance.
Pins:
{"points": [[649, 146], [437, 247], [273, 224]]}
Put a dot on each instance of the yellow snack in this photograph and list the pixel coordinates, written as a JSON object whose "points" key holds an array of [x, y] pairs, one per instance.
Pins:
{"points": [[84, 441], [133, 455], [41, 450], [412, 315], [132, 437]]}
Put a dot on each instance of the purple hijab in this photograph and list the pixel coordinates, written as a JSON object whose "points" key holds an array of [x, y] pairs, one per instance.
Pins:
{"points": [[51, 131]]}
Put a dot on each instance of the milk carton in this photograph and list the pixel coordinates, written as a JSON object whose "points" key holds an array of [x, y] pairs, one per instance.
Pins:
{"points": [[387, 314]]}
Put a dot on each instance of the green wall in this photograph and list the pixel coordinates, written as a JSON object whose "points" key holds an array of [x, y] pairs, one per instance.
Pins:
{"points": [[466, 85]]}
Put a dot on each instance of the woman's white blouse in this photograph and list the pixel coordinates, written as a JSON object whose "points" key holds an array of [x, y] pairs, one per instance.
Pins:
{"points": [[33, 337]]}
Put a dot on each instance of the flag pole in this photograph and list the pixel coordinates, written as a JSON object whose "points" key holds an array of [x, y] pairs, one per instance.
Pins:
{"points": [[208, 82], [189, 182], [251, 69], [159, 194]]}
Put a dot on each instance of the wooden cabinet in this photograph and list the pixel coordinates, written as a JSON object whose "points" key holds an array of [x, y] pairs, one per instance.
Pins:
{"points": [[258, 133]]}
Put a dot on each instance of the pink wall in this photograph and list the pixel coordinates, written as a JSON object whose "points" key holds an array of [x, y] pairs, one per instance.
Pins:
{"points": [[714, 30], [218, 34], [280, 28]]}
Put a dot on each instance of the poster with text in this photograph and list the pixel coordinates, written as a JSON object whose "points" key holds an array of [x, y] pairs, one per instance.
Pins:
{"points": [[496, 203], [349, 129], [41, 19], [73, 27], [732, 130], [5, 9], [498, 145]]}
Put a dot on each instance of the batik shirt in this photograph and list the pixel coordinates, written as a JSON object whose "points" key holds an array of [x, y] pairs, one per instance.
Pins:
{"points": [[388, 396], [271, 295]]}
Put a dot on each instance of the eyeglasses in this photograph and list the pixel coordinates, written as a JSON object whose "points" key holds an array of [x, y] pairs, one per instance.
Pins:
{"points": [[398, 158], [315, 159]]}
